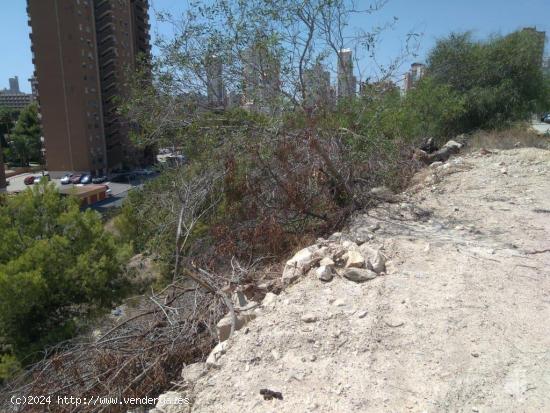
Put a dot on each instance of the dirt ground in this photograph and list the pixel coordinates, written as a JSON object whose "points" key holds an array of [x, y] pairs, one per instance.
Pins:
{"points": [[459, 323]]}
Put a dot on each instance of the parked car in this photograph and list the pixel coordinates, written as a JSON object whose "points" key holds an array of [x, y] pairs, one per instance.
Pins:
{"points": [[75, 179], [86, 179], [29, 180], [546, 119], [99, 179], [33, 179], [66, 179]]}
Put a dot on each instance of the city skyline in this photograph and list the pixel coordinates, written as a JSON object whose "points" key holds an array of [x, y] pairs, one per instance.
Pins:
{"points": [[428, 16]]}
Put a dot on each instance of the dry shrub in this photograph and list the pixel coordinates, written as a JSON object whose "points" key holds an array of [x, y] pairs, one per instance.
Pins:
{"points": [[141, 356]]}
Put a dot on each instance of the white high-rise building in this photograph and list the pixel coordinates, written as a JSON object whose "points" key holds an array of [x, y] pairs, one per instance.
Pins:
{"points": [[214, 80], [261, 78], [347, 83], [317, 87]]}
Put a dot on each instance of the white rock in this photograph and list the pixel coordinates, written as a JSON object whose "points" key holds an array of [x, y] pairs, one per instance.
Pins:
{"points": [[376, 261], [354, 259], [217, 352], [324, 273], [350, 245], [339, 302], [223, 327], [452, 144], [291, 273], [435, 165], [304, 258], [327, 262], [359, 274], [302, 262]]}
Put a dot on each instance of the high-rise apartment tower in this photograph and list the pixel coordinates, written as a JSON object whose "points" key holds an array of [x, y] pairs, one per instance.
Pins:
{"points": [[82, 50], [347, 83]]}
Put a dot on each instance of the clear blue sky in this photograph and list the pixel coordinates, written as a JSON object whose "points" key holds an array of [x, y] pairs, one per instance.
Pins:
{"points": [[433, 18]]}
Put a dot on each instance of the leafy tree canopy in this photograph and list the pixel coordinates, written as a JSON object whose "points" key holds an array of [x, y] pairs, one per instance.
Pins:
{"points": [[24, 142], [57, 265]]}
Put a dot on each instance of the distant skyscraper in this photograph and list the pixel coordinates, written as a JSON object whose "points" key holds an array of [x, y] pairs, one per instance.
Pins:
{"points": [[413, 76], [81, 52], [347, 83], [13, 98], [14, 85], [261, 78], [317, 87], [214, 80]]}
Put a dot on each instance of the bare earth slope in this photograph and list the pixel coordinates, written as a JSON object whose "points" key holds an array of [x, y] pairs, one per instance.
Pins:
{"points": [[460, 322]]}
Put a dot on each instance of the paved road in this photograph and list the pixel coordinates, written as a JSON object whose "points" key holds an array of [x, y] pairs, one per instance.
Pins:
{"points": [[119, 190], [542, 128]]}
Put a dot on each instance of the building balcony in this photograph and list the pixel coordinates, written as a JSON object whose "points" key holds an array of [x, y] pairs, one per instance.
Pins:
{"points": [[102, 9]]}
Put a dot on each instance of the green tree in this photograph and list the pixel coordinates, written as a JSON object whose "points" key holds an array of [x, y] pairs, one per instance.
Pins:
{"points": [[57, 267], [500, 80], [24, 142]]}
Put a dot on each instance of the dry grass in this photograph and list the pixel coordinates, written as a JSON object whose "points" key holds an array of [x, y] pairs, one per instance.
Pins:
{"points": [[520, 136]]}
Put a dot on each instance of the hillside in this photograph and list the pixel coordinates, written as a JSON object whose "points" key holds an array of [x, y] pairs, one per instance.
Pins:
{"points": [[457, 322]]}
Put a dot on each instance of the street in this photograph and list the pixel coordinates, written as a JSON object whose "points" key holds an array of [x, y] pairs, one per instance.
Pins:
{"points": [[540, 127], [119, 190]]}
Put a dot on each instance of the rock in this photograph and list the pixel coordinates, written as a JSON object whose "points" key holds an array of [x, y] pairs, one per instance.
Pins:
{"points": [[217, 352], [453, 144], [504, 171], [450, 148], [436, 164], [339, 302], [275, 354], [173, 402], [324, 272], [359, 274], [327, 262], [362, 314], [309, 318], [304, 258], [302, 262], [223, 327], [192, 372], [384, 194], [291, 273], [336, 237], [269, 299], [376, 261], [350, 246], [354, 259]]}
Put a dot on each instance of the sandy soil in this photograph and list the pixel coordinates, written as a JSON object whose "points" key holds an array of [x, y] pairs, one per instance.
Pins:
{"points": [[460, 322]]}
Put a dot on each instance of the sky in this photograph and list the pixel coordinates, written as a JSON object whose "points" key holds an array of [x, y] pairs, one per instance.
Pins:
{"points": [[432, 19]]}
